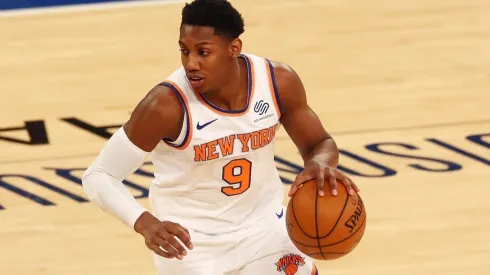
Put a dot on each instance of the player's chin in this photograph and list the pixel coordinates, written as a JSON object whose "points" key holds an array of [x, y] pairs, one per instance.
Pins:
{"points": [[204, 89]]}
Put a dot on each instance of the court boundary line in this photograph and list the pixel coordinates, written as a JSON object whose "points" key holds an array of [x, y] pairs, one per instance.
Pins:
{"points": [[86, 7]]}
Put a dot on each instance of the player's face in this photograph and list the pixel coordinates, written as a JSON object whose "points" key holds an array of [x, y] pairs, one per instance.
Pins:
{"points": [[206, 57]]}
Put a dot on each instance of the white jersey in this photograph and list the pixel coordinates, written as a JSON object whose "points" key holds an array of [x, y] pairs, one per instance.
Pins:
{"points": [[219, 175]]}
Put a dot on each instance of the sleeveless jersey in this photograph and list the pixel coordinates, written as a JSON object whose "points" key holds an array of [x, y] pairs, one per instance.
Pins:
{"points": [[219, 176]]}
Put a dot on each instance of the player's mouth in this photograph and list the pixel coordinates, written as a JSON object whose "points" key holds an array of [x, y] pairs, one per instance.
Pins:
{"points": [[196, 81]]}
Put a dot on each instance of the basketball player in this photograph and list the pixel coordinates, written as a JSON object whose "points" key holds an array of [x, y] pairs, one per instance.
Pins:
{"points": [[216, 197]]}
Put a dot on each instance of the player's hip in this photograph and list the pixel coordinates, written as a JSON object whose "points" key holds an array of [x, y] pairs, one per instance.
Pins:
{"points": [[262, 252]]}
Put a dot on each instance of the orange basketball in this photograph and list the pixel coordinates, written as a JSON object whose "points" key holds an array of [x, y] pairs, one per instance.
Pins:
{"points": [[328, 227]]}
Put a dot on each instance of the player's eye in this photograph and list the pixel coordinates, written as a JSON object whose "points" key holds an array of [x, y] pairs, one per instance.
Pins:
{"points": [[203, 52], [184, 51]]}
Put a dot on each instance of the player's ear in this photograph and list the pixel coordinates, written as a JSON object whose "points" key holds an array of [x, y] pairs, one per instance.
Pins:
{"points": [[236, 47]]}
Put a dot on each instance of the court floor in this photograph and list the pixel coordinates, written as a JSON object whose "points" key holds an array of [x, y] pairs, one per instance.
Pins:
{"points": [[403, 86]]}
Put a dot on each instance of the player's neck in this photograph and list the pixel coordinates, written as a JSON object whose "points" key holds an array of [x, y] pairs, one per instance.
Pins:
{"points": [[233, 94]]}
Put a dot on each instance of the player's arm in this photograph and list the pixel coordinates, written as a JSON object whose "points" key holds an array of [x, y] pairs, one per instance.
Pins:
{"points": [[316, 146], [159, 115]]}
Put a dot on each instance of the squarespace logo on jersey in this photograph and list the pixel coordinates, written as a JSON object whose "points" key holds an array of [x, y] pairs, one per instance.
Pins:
{"points": [[356, 164]]}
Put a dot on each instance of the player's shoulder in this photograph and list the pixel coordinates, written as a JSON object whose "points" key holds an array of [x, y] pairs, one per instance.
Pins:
{"points": [[288, 84], [167, 93], [158, 114], [162, 100], [283, 71], [281, 67], [286, 78]]}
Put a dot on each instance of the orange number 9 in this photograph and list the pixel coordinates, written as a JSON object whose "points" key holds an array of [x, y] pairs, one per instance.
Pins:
{"points": [[237, 173]]}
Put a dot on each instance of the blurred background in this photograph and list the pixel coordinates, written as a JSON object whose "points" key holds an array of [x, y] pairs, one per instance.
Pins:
{"points": [[403, 87]]}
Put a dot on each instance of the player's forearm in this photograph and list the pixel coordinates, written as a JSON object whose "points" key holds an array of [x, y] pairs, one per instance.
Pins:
{"points": [[111, 196], [325, 152], [102, 181]]}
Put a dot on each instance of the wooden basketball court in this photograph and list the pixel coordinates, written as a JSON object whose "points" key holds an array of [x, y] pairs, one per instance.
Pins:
{"points": [[404, 87]]}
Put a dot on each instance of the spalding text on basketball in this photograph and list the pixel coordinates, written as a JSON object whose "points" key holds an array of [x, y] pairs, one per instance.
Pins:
{"points": [[354, 218]]}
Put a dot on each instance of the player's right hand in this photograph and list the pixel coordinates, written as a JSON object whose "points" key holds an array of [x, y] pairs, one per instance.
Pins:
{"points": [[160, 236]]}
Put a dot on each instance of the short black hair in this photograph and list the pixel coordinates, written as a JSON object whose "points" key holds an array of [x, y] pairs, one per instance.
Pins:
{"points": [[218, 14]]}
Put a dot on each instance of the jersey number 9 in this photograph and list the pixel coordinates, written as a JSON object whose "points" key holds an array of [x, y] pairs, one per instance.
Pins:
{"points": [[237, 173]]}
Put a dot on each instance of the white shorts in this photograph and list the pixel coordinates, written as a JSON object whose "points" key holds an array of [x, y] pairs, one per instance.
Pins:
{"points": [[265, 250]]}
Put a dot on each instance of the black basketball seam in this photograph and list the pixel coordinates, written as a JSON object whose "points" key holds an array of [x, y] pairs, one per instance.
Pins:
{"points": [[316, 225], [337, 222], [297, 222], [348, 237], [327, 245], [316, 221]]}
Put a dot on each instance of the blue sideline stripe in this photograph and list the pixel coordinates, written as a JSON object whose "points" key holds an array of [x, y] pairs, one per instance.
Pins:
{"points": [[24, 4]]}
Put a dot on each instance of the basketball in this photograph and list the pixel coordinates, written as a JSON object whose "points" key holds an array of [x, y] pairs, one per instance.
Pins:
{"points": [[328, 227]]}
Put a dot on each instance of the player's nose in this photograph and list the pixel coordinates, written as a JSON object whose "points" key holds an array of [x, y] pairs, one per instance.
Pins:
{"points": [[192, 64]]}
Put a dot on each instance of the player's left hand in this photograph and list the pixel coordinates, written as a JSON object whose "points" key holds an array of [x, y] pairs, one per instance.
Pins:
{"points": [[322, 173]]}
